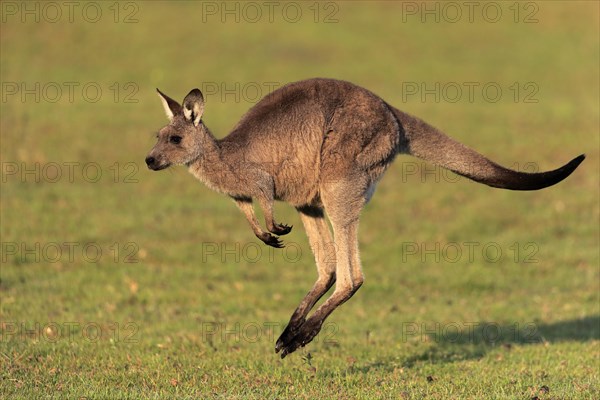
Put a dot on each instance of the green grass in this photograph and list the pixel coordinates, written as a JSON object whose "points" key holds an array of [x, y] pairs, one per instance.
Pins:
{"points": [[184, 303]]}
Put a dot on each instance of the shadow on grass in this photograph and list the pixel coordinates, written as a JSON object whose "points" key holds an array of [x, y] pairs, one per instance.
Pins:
{"points": [[449, 343], [457, 342]]}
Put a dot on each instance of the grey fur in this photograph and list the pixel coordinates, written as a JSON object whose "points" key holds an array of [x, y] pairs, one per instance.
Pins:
{"points": [[320, 145]]}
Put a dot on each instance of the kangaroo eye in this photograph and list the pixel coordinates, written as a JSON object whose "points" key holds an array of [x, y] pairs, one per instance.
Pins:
{"points": [[175, 139]]}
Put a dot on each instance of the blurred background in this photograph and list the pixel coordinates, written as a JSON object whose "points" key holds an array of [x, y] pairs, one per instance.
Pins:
{"points": [[89, 234]]}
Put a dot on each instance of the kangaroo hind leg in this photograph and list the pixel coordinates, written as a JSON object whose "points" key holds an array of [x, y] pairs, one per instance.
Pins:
{"points": [[322, 246], [343, 201]]}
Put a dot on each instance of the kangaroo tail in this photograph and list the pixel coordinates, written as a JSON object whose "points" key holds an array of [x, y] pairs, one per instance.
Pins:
{"points": [[428, 143]]}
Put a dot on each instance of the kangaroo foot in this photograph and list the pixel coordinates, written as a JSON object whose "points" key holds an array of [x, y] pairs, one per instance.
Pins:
{"points": [[306, 333], [280, 229], [288, 334], [270, 240]]}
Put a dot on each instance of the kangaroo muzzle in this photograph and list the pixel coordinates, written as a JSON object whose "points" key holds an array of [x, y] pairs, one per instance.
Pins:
{"points": [[154, 164]]}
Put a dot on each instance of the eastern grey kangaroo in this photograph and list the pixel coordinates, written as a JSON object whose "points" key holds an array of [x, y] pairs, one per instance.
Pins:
{"points": [[320, 145]]}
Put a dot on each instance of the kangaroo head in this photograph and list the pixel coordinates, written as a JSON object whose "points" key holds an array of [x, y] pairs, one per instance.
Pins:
{"points": [[180, 142]]}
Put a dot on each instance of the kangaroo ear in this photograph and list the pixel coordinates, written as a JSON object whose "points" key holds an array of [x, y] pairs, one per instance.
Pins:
{"points": [[193, 106], [171, 106]]}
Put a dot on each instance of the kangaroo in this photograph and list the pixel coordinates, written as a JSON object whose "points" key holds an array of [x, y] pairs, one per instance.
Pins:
{"points": [[320, 145]]}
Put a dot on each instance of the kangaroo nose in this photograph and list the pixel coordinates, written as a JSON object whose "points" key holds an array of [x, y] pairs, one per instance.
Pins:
{"points": [[150, 161]]}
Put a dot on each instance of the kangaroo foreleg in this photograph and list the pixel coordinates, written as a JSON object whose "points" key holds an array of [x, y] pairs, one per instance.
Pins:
{"points": [[245, 205], [266, 204]]}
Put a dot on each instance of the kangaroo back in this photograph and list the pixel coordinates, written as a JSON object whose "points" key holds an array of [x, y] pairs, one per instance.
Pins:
{"points": [[428, 143]]}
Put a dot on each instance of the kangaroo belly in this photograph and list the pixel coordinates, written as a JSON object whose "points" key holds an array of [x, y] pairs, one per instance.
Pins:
{"points": [[296, 176]]}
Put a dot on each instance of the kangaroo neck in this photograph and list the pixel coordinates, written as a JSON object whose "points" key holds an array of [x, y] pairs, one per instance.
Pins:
{"points": [[209, 167]]}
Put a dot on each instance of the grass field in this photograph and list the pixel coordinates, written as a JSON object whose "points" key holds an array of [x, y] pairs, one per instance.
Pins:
{"points": [[118, 282]]}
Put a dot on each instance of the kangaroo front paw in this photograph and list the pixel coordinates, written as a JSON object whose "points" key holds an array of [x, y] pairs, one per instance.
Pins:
{"points": [[281, 229], [270, 240]]}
